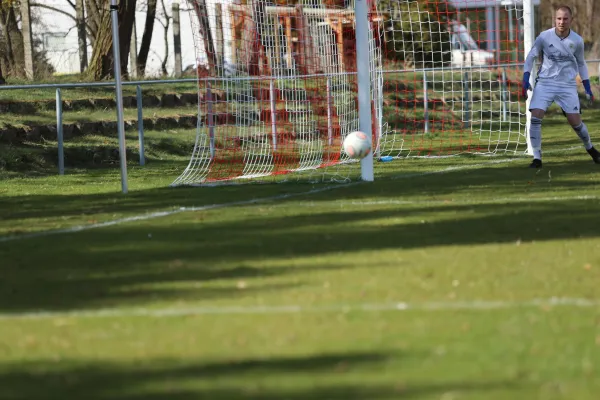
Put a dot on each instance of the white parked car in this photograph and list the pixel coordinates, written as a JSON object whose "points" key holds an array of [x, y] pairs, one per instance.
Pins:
{"points": [[465, 52]]}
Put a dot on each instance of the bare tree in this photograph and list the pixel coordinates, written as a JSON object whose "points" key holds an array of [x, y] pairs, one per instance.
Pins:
{"points": [[594, 20], [102, 62], [147, 36], [175, 14], [27, 39], [205, 32], [166, 23], [80, 23], [13, 60], [81, 35], [95, 11], [589, 20]]}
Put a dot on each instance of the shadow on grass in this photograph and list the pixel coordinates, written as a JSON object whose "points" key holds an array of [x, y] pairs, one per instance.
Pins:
{"points": [[82, 153], [122, 265], [508, 177], [307, 378]]}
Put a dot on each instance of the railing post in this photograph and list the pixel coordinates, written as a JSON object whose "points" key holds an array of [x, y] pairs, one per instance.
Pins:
{"points": [[59, 132], [425, 103], [329, 113], [210, 119], [466, 101], [140, 111], [273, 113], [504, 96]]}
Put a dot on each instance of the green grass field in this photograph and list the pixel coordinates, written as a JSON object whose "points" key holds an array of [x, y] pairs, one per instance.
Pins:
{"points": [[469, 277]]}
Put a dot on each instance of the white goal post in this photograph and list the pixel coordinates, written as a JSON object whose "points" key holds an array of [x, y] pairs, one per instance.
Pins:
{"points": [[529, 37]]}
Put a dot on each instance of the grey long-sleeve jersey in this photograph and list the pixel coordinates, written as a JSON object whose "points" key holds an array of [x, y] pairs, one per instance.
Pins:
{"points": [[561, 58]]}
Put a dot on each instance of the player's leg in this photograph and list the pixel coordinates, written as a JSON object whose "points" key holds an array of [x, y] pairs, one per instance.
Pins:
{"points": [[541, 98], [535, 136], [569, 102], [582, 131]]}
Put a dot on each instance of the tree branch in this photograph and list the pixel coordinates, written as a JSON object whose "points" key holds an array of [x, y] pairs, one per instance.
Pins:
{"points": [[94, 12], [94, 19]]}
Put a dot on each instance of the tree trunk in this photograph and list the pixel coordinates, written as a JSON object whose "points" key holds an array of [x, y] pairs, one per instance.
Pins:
{"points": [[102, 62], [27, 39], [595, 51], [126, 22], [133, 58], [589, 19], [13, 42], [8, 52], [593, 9], [81, 35], [147, 37], [94, 20], [163, 66], [205, 32], [177, 38]]}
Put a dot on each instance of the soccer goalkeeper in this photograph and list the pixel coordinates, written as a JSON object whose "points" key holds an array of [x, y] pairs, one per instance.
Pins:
{"points": [[561, 53]]}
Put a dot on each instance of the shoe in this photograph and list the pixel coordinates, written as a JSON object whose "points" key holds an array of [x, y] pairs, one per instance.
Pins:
{"points": [[536, 163], [595, 154]]}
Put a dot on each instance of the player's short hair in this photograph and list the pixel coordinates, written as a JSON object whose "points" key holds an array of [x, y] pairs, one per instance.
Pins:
{"points": [[564, 7]]}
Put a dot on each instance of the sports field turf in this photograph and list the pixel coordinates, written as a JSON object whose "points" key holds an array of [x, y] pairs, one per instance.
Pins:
{"points": [[455, 278]]}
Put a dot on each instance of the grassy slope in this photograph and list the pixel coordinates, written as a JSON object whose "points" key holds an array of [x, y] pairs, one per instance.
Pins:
{"points": [[497, 232]]}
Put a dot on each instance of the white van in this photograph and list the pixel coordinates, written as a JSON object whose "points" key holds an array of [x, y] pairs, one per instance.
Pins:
{"points": [[465, 52]]}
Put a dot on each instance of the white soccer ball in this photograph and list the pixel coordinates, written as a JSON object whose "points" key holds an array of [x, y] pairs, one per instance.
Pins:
{"points": [[357, 145]]}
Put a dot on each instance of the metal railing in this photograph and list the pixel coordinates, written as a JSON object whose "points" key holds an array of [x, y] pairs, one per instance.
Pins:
{"points": [[58, 87]]}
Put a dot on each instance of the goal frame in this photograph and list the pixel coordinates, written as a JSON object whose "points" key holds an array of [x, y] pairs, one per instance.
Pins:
{"points": [[368, 111], [528, 38]]}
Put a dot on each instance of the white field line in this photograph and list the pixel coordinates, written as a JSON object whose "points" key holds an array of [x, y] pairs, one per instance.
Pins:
{"points": [[159, 214], [565, 150], [490, 201], [520, 155], [500, 200], [455, 168], [476, 305]]}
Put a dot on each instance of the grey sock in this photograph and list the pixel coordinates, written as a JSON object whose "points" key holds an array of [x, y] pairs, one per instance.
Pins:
{"points": [[584, 135], [535, 135]]}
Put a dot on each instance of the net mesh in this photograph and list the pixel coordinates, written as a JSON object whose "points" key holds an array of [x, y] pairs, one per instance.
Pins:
{"points": [[451, 77], [278, 90]]}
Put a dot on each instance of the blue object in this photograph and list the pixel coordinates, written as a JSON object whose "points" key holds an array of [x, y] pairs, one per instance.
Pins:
{"points": [[588, 88], [526, 84], [386, 158]]}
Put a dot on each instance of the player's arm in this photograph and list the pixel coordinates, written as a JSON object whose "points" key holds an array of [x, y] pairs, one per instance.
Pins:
{"points": [[583, 70], [534, 53]]}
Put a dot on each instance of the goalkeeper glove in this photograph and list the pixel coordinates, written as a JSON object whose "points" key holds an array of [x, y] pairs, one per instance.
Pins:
{"points": [[525, 85], [588, 89]]}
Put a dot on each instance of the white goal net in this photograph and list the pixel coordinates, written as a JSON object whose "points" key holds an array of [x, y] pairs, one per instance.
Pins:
{"points": [[278, 84]]}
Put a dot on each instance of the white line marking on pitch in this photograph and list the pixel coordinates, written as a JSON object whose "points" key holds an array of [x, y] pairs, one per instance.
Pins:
{"points": [[159, 214], [448, 202], [478, 305], [459, 202], [454, 168]]}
